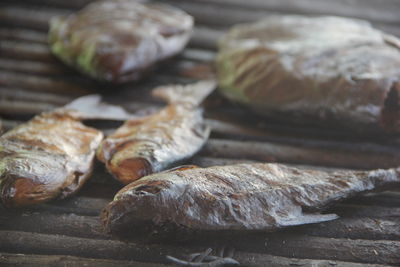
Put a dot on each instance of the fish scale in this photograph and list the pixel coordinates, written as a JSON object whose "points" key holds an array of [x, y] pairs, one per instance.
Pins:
{"points": [[243, 197]]}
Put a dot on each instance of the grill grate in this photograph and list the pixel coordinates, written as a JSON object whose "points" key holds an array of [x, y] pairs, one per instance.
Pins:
{"points": [[69, 232]]}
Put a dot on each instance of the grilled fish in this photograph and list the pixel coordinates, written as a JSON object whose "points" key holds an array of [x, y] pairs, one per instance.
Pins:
{"points": [[119, 40], [329, 71], [51, 156], [242, 197], [152, 143]]}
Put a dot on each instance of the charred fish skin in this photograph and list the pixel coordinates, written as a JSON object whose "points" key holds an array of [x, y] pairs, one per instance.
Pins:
{"points": [[49, 157], [150, 145], [117, 41], [153, 143], [243, 197], [314, 70]]}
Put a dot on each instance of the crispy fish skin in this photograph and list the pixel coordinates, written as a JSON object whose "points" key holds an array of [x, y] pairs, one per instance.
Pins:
{"points": [[49, 157], [118, 40], [153, 143], [242, 197], [329, 71]]}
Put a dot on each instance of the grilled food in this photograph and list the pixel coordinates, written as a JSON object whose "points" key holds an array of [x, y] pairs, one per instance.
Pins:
{"points": [[243, 197], [152, 143], [51, 156], [119, 40], [330, 71]]}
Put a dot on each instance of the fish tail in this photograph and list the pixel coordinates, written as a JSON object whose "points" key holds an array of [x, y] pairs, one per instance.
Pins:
{"points": [[397, 172], [193, 93], [384, 178], [391, 40], [90, 107]]}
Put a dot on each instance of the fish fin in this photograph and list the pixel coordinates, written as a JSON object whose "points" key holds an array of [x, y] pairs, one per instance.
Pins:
{"points": [[307, 218], [182, 168], [193, 93], [90, 107], [391, 40]]}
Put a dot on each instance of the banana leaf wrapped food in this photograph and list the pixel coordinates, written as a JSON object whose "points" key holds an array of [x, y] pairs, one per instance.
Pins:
{"points": [[118, 40], [326, 71]]}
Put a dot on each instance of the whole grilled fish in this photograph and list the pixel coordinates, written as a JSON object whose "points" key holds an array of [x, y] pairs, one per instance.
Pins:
{"points": [[237, 197], [51, 156], [153, 143], [118, 40], [329, 71]]}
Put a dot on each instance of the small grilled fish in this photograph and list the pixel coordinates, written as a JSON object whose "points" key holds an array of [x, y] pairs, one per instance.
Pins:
{"points": [[326, 71], [51, 156], [118, 40], [242, 197], [152, 143]]}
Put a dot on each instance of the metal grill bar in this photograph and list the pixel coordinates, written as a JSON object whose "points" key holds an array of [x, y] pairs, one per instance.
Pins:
{"points": [[69, 231]]}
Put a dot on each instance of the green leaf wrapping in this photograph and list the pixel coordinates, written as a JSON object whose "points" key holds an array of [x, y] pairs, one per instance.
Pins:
{"points": [[330, 71], [119, 40]]}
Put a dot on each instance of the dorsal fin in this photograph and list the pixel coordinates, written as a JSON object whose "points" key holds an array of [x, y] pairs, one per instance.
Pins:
{"points": [[182, 168]]}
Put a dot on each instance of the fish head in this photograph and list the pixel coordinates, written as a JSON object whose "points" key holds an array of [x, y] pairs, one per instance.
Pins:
{"points": [[29, 179], [133, 212], [131, 169], [20, 191], [123, 160]]}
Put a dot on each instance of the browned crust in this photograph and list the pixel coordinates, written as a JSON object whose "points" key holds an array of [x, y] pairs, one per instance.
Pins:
{"points": [[175, 132], [49, 157]]}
